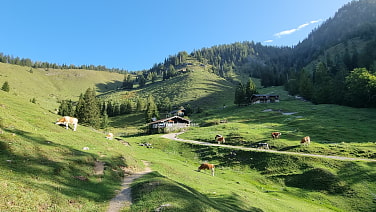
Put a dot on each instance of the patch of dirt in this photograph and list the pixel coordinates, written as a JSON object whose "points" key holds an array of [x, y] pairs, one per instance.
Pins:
{"points": [[98, 168], [123, 198]]}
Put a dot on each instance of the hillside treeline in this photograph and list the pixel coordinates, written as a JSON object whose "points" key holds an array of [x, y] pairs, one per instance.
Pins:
{"points": [[326, 67], [335, 64], [29, 63]]}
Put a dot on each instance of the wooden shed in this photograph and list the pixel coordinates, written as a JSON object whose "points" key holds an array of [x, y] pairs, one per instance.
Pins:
{"points": [[263, 98], [169, 124]]}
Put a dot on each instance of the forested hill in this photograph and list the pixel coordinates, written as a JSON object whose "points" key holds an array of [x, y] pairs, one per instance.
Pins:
{"points": [[354, 20], [318, 68]]}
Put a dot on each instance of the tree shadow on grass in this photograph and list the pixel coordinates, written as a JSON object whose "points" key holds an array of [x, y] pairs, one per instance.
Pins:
{"points": [[55, 168], [185, 198]]}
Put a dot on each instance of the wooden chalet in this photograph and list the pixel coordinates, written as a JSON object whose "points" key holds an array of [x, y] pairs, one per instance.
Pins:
{"points": [[263, 98], [170, 124]]}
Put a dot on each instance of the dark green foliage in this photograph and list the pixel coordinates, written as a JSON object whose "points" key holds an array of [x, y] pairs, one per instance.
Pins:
{"points": [[66, 108], [141, 80], [105, 121], [88, 108], [361, 87], [250, 89], [27, 62], [33, 100], [127, 82], [151, 110], [5, 87], [240, 95], [305, 85]]}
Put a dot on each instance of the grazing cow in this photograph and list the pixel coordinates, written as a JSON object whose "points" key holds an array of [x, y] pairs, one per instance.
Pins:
{"points": [[306, 140], [275, 135], [219, 139], [66, 120], [207, 166], [110, 136]]}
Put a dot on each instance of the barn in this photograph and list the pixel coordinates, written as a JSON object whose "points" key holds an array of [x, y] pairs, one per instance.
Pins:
{"points": [[264, 98], [170, 124]]}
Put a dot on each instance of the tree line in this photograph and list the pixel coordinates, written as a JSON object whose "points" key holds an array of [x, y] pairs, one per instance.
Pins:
{"points": [[29, 63], [92, 111]]}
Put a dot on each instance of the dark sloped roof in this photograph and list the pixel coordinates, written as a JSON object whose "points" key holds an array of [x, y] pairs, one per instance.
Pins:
{"points": [[169, 118]]}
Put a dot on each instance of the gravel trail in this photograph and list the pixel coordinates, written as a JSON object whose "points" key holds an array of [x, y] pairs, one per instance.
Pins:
{"points": [[173, 136]]}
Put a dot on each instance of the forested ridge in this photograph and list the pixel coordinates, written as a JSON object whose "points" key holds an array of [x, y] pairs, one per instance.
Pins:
{"points": [[336, 63]]}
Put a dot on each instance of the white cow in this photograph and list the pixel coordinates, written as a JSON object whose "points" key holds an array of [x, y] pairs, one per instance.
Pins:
{"points": [[110, 136], [66, 120]]}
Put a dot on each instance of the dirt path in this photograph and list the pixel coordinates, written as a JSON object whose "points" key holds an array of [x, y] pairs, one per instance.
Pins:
{"points": [[124, 197], [173, 136]]}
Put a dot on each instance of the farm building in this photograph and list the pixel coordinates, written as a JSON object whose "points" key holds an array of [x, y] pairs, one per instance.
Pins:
{"points": [[168, 124], [180, 112], [263, 98]]}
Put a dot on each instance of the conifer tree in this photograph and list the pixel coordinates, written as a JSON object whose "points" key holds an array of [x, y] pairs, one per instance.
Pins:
{"points": [[79, 111], [92, 112], [239, 95], [151, 110], [5, 87], [141, 80], [105, 121], [250, 89], [88, 108]]}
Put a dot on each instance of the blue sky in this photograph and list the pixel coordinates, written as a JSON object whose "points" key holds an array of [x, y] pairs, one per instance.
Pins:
{"points": [[135, 35]]}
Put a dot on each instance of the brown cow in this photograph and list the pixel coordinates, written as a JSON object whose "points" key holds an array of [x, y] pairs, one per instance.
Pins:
{"points": [[207, 166], [219, 139], [306, 140], [275, 135]]}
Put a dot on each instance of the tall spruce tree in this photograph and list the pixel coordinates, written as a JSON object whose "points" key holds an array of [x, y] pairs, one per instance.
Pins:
{"points": [[240, 95], [250, 89], [79, 111], [151, 110], [88, 108], [5, 86]]}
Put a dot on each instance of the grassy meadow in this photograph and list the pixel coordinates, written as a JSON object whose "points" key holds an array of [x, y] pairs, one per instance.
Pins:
{"points": [[48, 86], [45, 167]]}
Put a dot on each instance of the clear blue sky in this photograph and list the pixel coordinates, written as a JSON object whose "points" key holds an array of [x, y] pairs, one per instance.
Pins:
{"points": [[136, 34]]}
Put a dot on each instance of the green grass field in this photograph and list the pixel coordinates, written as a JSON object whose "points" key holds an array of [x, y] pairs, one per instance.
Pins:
{"points": [[45, 167]]}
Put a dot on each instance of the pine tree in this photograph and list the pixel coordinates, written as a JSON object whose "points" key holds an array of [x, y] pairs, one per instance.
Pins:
{"points": [[5, 87], [105, 121], [66, 108], [151, 110], [88, 108], [239, 95], [305, 85], [321, 85], [79, 112], [250, 89], [141, 80], [92, 108]]}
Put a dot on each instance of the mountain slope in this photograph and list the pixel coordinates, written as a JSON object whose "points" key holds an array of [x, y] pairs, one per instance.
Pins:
{"points": [[44, 167], [48, 86]]}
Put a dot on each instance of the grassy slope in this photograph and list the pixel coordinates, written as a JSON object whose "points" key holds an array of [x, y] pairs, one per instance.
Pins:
{"points": [[334, 130], [38, 161], [249, 181], [50, 86], [197, 88]]}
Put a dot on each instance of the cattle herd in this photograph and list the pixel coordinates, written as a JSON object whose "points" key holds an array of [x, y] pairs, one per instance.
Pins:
{"points": [[66, 120]]}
